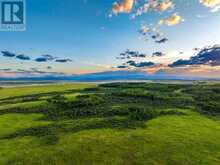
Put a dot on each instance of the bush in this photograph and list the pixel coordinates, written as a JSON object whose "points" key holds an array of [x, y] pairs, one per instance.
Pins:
{"points": [[140, 114], [87, 100], [57, 100], [117, 111], [209, 107], [136, 93]]}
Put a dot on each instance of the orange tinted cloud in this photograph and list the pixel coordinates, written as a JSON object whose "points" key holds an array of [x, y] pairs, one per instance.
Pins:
{"points": [[126, 6], [164, 5], [172, 20], [210, 3]]}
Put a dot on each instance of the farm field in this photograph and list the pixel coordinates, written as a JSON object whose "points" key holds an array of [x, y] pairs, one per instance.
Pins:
{"points": [[112, 124]]}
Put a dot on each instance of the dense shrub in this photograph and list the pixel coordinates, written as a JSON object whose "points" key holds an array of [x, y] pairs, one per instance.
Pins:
{"points": [[87, 100], [209, 107], [91, 89], [116, 111], [57, 100], [131, 92], [132, 100], [82, 106], [123, 85], [140, 114]]}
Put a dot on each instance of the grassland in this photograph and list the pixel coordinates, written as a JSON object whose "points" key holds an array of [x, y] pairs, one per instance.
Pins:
{"points": [[116, 124]]}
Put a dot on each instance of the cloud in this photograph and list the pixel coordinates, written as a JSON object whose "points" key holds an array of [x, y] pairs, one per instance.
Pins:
{"points": [[140, 64], [153, 33], [23, 57], [20, 56], [122, 7], [210, 3], [180, 62], [158, 54], [5, 70], [207, 56], [128, 5], [63, 60], [173, 20], [215, 9], [128, 54], [45, 58], [49, 57], [144, 30], [163, 6], [163, 40], [8, 54], [49, 67], [41, 59], [141, 10], [153, 5], [122, 67]]}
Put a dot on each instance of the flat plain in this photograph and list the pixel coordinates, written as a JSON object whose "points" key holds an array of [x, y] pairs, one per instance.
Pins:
{"points": [[112, 124]]}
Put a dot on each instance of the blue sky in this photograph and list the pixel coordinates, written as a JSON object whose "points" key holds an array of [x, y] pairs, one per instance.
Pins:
{"points": [[81, 30]]}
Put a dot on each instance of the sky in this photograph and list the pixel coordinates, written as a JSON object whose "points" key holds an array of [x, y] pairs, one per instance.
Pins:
{"points": [[87, 36]]}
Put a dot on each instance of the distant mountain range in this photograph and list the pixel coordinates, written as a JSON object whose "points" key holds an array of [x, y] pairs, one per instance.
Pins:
{"points": [[108, 76]]}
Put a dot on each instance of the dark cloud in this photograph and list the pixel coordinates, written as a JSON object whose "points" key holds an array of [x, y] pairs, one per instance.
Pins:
{"points": [[207, 56], [45, 58], [123, 54], [122, 58], [131, 63], [140, 64], [152, 33], [63, 60], [158, 54], [154, 37], [23, 57], [196, 49], [41, 59], [122, 67], [8, 54], [128, 54], [132, 53], [142, 55], [144, 30], [144, 64], [6, 70], [163, 40], [49, 57], [180, 62]]}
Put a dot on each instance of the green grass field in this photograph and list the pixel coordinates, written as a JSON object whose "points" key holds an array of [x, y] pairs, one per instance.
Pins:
{"points": [[31, 90], [110, 124]]}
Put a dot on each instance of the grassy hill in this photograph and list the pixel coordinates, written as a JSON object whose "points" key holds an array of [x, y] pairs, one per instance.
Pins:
{"points": [[118, 124]]}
